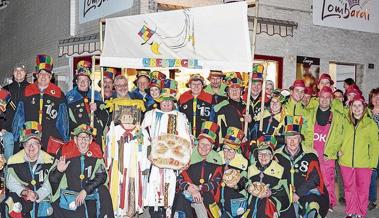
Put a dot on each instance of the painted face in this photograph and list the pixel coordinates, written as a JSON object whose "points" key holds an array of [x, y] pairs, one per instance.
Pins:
{"points": [[121, 87], [43, 78], [306, 99], [293, 142], [32, 148], [82, 141], [325, 99], [204, 147], [264, 157], [127, 119], [357, 108], [256, 88], [19, 74], [167, 105], [229, 153], [275, 105], [196, 87], [324, 82], [83, 83], [234, 93], [297, 93], [155, 92], [338, 96], [215, 81], [143, 83]]}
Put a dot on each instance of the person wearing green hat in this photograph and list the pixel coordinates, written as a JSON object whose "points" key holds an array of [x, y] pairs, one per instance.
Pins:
{"points": [[267, 186], [27, 170], [78, 178], [233, 197], [198, 184], [45, 103], [307, 190], [79, 102]]}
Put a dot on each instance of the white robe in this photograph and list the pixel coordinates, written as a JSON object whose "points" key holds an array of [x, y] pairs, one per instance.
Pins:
{"points": [[155, 123]]}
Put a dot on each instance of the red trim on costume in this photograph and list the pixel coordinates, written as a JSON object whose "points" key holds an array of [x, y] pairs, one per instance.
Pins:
{"points": [[314, 164], [187, 96], [51, 90], [123, 189], [69, 150], [186, 177], [270, 208]]}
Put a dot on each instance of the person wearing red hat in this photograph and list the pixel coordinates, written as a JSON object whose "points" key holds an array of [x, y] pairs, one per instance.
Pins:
{"points": [[325, 80], [293, 106], [373, 105], [196, 104], [321, 129], [357, 150], [45, 103], [79, 102], [351, 92], [308, 93]]}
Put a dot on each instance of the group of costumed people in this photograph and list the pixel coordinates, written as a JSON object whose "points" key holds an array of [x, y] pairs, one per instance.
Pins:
{"points": [[216, 151]]}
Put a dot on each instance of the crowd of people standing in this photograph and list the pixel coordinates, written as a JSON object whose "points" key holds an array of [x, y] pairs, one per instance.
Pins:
{"points": [[210, 152]]}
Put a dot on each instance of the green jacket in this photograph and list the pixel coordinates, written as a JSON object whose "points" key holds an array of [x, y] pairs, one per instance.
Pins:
{"points": [[359, 145], [293, 108], [334, 132]]}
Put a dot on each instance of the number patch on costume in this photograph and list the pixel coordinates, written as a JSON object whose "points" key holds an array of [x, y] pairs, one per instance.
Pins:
{"points": [[51, 112], [89, 171], [304, 166]]}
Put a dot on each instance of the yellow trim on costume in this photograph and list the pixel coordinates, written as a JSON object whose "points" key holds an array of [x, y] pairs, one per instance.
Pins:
{"points": [[19, 158], [113, 104], [239, 161], [274, 170]]}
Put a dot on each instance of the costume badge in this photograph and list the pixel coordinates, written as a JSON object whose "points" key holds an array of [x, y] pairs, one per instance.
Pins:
{"points": [[52, 92], [33, 100], [89, 154], [33, 182], [185, 106], [80, 115], [81, 177], [81, 110], [48, 101]]}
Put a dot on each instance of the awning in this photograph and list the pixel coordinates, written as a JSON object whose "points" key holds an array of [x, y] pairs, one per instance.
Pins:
{"points": [[79, 45], [272, 27], [166, 5]]}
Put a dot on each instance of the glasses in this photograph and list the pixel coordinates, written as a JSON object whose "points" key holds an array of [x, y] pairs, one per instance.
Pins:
{"points": [[85, 138], [264, 154], [121, 85], [30, 144], [229, 150]]}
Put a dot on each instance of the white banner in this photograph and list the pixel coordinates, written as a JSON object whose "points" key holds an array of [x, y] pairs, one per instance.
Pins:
{"points": [[213, 37], [361, 15], [96, 9]]}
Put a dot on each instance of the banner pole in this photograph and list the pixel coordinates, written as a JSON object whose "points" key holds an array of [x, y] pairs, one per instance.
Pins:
{"points": [[251, 73]]}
